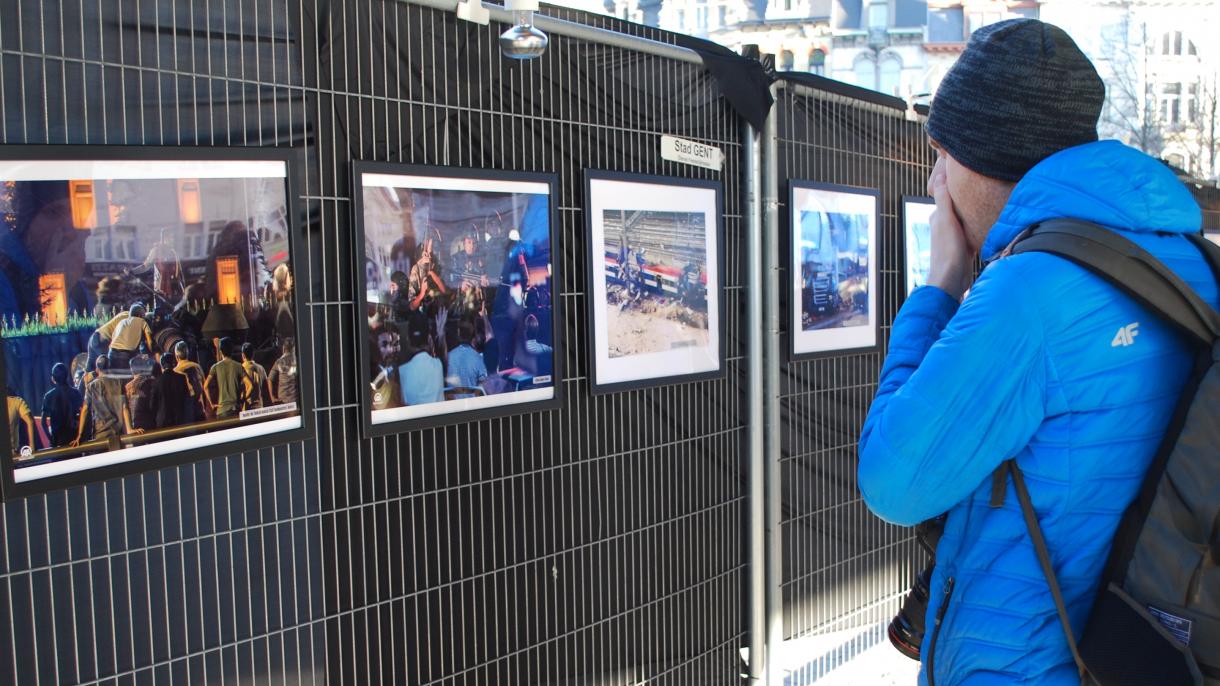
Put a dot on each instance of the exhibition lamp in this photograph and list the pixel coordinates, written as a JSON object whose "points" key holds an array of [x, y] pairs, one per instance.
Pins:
{"points": [[522, 41]]}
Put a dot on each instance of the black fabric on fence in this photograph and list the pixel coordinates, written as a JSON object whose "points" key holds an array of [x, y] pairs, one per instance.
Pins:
{"points": [[827, 85], [832, 544], [603, 539], [744, 83]]}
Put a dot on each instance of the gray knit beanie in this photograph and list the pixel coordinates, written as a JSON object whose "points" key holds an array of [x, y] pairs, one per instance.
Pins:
{"points": [[1020, 92]]}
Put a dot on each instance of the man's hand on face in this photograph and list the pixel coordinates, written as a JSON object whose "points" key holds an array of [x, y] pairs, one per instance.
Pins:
{"points": [[952, 260]]}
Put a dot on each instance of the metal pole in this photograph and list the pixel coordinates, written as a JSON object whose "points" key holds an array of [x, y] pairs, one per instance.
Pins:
{"points": [[754, 381], [560, 27], [771, 390]]}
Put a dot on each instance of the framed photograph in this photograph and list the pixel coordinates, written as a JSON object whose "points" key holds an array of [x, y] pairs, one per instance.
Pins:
{"points": [[917, 237], [462, 318], [655, 307], [833, 269], [149, 309]]}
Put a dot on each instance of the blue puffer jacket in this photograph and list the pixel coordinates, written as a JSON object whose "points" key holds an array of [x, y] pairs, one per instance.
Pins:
{"points": [[1030, 366]]}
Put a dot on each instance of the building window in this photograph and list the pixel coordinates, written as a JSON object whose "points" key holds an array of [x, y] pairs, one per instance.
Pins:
{"points": [[946, 25], [1192, 99], [193, 241], [891, 73], [978, 20], [722, 15], [124, 238], [817, 61], [865, 72], [701, 18], [681, 20], [1171, 105], [878, 15], [1174, 43], [785, 60]]}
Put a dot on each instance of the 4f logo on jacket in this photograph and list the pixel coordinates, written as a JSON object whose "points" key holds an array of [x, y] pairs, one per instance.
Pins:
{"points": [[1126, 335]]}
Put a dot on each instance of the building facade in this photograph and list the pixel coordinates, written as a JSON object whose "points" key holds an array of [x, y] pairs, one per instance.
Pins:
{"points": [[897, 47], [878, 44], [1160, 70], [948, 29]]}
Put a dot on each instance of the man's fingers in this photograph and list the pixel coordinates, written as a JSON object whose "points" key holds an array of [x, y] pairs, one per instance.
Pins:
{"points": [[938, 171], [939, 187]]}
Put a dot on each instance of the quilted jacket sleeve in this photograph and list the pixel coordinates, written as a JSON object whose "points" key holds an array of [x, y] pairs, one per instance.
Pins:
{"points": [[960, 392]]}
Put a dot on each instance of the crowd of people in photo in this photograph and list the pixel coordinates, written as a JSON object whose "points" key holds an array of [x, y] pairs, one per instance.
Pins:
{"points": [[128, 386], [442, 331], [122, 396], [171, 348]]}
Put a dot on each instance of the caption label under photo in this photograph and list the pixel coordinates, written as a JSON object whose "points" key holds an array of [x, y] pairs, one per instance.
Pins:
{"points": [[268, 411]]}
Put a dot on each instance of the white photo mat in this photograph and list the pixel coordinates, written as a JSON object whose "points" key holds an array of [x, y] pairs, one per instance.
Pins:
{"points": [[839, 337], [917, 242], [413, 182], [607, 194], [152, 450], [33, 169]]}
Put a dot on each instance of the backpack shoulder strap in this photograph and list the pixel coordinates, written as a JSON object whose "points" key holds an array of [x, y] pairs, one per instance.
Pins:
{"points": [[1131, 269], [1009, 467], [1210, 250]]}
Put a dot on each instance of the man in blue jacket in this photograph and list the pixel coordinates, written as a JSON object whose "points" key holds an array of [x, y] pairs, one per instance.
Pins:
{"points": [[1041, 360]]}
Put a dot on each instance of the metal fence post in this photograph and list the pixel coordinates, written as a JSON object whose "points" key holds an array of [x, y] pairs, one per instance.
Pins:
{"points": [[754, 379], [771, 390]]}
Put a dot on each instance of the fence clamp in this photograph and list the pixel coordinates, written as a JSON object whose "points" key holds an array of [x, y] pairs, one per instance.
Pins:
{"points": [[473, 10]]}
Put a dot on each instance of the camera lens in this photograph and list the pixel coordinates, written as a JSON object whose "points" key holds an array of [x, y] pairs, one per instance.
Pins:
{"points": [[907, 629]]}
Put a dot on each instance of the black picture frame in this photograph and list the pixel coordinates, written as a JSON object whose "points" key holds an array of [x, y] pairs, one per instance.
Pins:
{"points": [[360, 284], [293, 160], [907, 202], [791, 307], [593, 274]]}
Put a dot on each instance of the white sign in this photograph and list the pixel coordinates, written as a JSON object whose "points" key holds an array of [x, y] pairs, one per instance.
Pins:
{"points": [[690, 152]]}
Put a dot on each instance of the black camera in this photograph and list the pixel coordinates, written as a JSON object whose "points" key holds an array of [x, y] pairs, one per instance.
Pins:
{"points": [[907, 628]]}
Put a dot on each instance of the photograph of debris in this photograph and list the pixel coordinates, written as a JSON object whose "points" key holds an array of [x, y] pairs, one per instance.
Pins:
{"points": [[656, 281], [653, 255], [917, 236], [833, 248]]}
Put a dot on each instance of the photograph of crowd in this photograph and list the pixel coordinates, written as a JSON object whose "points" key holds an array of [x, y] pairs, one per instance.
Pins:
{"points": [[458, 284], [834, 270], [654, 246], [146, 308], [917, 219]]}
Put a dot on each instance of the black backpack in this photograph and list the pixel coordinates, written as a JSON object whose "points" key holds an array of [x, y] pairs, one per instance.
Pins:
{"points": [[1156, 618]]}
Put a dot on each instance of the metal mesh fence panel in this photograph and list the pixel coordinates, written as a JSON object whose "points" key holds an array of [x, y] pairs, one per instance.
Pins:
{"points": [[599, 543], [1209, 201], [844, 570]]}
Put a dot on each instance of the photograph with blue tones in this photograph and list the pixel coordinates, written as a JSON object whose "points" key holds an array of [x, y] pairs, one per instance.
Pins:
{"points": [[146, 309], [458, 288], [917, 236], [833, 268]]}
